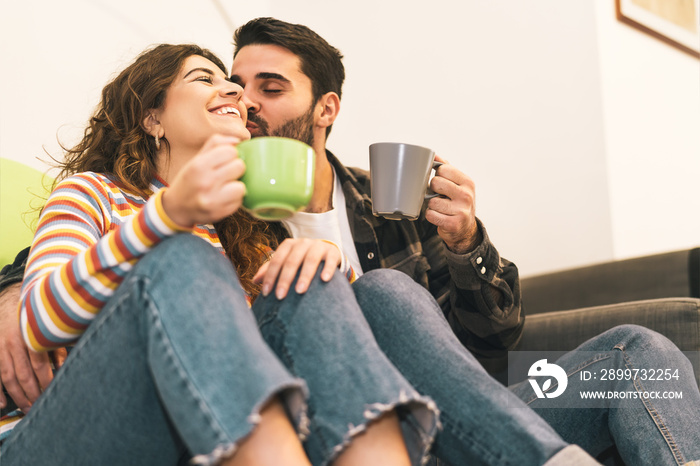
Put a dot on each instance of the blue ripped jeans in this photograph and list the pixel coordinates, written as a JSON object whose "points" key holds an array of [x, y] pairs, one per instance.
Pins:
{"points": [[385, 313], [175, 367]]}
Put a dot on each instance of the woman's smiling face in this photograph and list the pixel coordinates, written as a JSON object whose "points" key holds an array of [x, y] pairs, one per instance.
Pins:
{"points": [[201, 102]]}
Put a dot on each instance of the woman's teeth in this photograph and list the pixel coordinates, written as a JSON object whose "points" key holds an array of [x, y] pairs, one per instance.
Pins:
{"points": [[226, 110]]}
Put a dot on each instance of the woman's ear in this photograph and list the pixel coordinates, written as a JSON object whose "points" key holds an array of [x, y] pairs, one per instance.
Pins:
{"points": [[152, 124], [329, 104]]}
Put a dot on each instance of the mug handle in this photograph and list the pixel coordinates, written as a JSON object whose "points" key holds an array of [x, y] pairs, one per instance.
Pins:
{"points": [[430, 193]]}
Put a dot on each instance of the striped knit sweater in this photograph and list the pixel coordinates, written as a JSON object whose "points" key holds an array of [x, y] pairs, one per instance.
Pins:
{"points": [[90, 235]]}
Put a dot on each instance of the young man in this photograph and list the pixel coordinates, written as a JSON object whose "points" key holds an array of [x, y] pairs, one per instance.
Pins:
{"points": [[292, 82]]}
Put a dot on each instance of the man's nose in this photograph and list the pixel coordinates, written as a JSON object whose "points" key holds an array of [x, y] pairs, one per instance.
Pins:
{"points": [[250, 104]]}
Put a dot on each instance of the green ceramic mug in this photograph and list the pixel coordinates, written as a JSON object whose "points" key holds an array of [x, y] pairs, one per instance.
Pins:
{"points": [[279, 176]]}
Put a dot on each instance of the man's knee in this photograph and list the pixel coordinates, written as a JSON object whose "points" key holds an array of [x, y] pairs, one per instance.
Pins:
{"points": [[389, 280], [636, 337], [393, 294]]}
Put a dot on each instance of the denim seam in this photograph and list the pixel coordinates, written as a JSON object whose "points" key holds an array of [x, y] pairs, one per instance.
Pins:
{"points": [[464, 436], [303, 424], [227, 446], [375, 411], [270, 320], [445, 421], [656, 417], [75, 353], [336, 449]]}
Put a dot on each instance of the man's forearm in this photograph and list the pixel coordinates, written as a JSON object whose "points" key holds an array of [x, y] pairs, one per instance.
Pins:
{"points": [[483, 304]]}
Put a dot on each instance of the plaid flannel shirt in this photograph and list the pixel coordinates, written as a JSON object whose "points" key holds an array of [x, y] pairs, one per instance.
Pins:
{"points": [[462, 284], [13, 273]]}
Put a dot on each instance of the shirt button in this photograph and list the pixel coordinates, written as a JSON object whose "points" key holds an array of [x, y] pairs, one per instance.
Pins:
{"points": [[370, 256], [483, 270], [479, 260]]}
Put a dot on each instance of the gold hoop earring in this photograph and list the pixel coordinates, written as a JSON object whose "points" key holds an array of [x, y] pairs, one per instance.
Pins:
{"points": [[157, 142]]}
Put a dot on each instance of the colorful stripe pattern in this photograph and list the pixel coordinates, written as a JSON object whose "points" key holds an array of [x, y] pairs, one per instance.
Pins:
{"points": [[344, 266], [90, 235], [9, 421]]}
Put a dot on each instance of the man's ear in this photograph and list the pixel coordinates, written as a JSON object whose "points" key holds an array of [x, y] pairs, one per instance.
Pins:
{"points": [[152, 124], [329, 105]]}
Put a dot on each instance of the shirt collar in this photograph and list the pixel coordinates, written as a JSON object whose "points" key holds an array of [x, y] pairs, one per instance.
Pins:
{"points": [[354, 181]]}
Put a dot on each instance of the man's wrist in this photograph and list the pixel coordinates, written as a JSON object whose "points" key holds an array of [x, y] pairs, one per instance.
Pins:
{"points": [[469, 244]]}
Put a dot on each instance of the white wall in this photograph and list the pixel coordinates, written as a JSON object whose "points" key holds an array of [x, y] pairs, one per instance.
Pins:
{"points": [[651, 96], [57, 56], [531, 99], [507, 91]]}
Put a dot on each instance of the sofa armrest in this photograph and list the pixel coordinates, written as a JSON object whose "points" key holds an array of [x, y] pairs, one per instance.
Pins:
{"points": [[674, 274], [676, 318]]}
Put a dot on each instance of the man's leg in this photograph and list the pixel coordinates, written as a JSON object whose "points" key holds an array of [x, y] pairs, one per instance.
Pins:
{"points": [[636, 369], [480, 424]]}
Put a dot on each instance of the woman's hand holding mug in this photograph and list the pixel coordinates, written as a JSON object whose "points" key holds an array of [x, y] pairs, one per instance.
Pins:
{"points": [[207, 188]]}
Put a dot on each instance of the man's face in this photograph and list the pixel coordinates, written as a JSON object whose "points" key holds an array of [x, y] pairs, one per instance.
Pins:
{"points": [[276, 92]]}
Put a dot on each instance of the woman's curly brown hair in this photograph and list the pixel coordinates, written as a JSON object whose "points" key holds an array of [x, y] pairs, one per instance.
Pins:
{"points": [[116, 143]]}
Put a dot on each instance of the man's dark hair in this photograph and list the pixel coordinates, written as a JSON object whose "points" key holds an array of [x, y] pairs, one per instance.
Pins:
{"points": [[320, 61]]}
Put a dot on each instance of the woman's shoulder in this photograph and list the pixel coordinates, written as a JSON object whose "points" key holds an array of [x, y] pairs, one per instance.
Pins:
{"points": [[88, 178], [92, 183], [96, 189]]}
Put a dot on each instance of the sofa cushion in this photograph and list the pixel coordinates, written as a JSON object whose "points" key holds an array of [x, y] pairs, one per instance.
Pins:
{"points": [[673, 274], [676, 318]]}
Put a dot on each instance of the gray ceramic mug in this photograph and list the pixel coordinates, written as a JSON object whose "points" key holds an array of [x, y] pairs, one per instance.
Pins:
{"points": [[399, 175]]}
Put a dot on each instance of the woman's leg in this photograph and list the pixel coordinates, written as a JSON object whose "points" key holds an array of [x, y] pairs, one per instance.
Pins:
{"points": [[637, 370], [381, 443], [273, 442], [356, 394], [174, 363], [483, 423]]}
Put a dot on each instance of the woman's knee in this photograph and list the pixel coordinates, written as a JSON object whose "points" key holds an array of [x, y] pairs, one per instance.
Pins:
{"points": [[180, 248], [185, 272], [184, 254], [322, 300]]}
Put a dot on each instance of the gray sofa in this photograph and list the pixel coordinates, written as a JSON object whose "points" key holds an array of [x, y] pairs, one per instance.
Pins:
{"points": [[660, 292]]}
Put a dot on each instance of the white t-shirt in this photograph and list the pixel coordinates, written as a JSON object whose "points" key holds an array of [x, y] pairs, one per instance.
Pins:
{"points": [[332, 226]]}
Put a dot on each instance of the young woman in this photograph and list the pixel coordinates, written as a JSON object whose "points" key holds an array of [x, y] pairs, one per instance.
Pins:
{"points": [[167, 361]]}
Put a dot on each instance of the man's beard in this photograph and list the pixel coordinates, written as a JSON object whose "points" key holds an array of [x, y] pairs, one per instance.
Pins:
{"points": [[300, 128]]}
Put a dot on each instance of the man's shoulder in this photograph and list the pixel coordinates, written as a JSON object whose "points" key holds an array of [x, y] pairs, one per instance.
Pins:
{"points": [[360, 174], [356, 177]]}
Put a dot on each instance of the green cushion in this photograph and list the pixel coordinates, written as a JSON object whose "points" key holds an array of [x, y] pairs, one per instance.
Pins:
{"points": [[23, 191]]}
